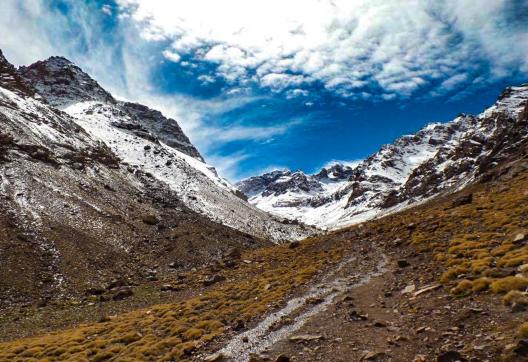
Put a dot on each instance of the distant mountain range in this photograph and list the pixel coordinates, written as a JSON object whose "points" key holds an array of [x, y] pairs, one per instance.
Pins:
{"points": [[440, 158]]}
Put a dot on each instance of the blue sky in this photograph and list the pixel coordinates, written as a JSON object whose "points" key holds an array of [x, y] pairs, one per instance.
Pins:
{"points": [[259, 85]]}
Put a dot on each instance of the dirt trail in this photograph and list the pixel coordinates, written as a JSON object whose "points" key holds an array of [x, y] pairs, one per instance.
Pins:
{"points": [[280, 325]]}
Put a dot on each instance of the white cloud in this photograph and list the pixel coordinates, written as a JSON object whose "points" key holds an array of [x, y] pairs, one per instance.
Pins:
{"points": [[206, 79], [107, 9], [294, 93], [228, 165], [400, 46], [172, 56]]}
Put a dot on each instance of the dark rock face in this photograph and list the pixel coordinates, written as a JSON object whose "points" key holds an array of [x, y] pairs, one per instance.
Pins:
{"points": [[258, 184], [63, 83], [334, 172], [10, 79], [295, 182], [280, 182], [165, 129]]}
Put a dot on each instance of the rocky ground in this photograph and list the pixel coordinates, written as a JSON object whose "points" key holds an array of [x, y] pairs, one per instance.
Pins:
{"points": [[444, 281]]}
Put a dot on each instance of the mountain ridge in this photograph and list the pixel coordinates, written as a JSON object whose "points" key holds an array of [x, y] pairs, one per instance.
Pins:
{"points": [[146, 140], [438, 158]]}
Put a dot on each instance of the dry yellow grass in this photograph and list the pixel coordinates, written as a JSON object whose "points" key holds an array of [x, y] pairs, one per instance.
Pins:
{"points": [[172, 331], [523, 330], [504, 285], [472, 248]]}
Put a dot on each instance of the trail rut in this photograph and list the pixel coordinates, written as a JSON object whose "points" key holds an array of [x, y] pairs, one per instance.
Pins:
{"points": [[350, 273]]}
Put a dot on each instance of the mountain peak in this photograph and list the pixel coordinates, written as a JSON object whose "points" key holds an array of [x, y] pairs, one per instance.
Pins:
{"points": [[63, 83]]}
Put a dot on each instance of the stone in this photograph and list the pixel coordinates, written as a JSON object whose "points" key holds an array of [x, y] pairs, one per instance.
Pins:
{"points": [[305, 337], [95, 291], [123, 293], [523, 268], [379, 324], [150, 219], [517, 308], [213, 280], [451, 356], [239, 325], [371, 356], [409, 289], [294, 244], [420, 330], [233, 254], [282, 358], [169, 287], [426, 289], [355, 316], [397, 242], [175, 265], [521, 349], [402, 263], [216, 357], [520, 238]]}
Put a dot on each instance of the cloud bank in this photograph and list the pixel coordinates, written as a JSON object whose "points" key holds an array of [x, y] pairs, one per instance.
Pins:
{"points": [[363, 48], [269, 56]]}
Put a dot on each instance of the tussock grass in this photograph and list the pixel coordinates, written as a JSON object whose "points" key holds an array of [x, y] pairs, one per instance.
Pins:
{"points": [[507, 284], [523, 330], [173, 331]]}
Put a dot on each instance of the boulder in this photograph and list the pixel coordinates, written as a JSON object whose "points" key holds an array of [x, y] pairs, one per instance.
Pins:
{"points": [[294, 244], [123, 293], [282, 358], [150, 219]]}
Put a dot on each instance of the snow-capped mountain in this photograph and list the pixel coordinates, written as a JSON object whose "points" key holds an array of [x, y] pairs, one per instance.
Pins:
{"points": [[438, 158], [145, 142]]}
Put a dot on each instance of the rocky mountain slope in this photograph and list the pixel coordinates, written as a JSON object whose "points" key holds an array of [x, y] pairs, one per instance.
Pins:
{"points": [[147, 141], [439, 158], [442, 281], [96, 195]]}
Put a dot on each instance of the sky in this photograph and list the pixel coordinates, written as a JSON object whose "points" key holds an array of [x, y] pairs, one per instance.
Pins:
{"points": [[297, 84]]}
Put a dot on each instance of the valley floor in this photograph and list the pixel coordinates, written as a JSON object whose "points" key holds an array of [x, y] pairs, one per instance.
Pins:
{"points": [[440, 282]]}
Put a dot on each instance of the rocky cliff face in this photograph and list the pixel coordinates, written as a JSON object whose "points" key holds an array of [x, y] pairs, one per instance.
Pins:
{"points": [[439, 158]]}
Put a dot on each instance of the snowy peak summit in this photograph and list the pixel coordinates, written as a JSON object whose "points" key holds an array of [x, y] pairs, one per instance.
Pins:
{"points": [[62, 83]]}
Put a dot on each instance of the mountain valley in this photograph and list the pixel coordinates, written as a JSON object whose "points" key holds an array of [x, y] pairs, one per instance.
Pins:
{"points": [[118, 242]]}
